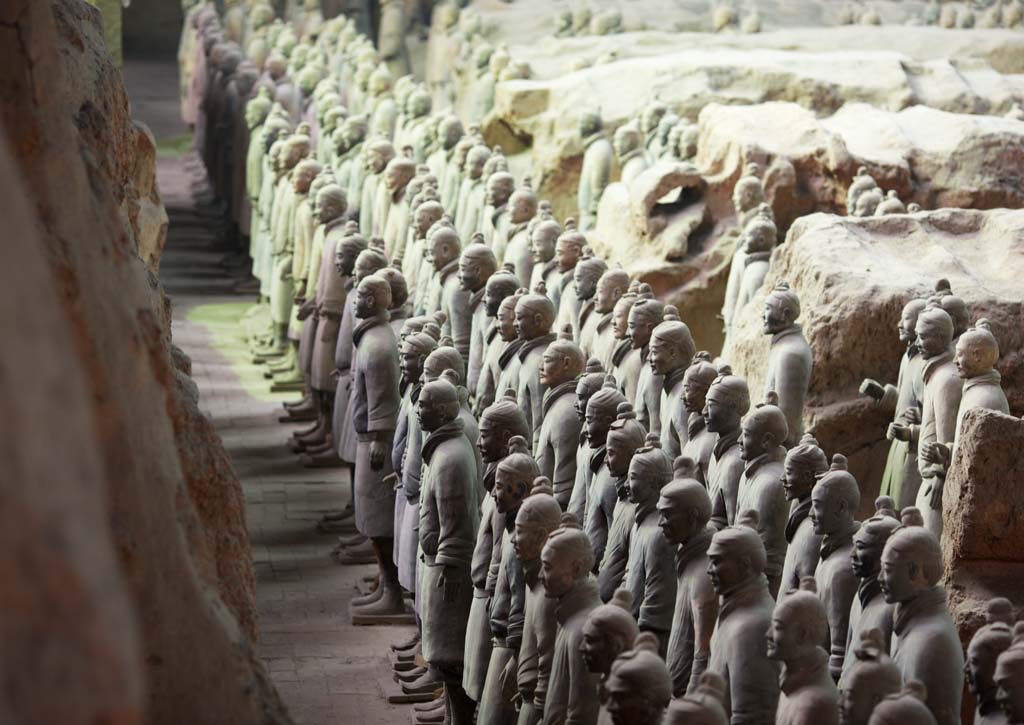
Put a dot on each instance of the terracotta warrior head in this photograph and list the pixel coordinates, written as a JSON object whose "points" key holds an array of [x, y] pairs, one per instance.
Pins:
{"points": [[444, 358], [426, 215], [569, 247], [646, 314], [500, 186], [908, 320], [563, 360], [804, 463], [539, 515], [514, 477], [799, 625], [398, 173], [523, 203], [911, 563], [499, 423], [567, 558], [872, 677], [379, 153], [626, 140], [349, 247], [728, 400], [373, 297], [438, 404], [672, 346], [990, 641], [934, 330], [535, 314], [684, 507], [612, 285], [370, 260], [1009, 677], [587, 273], [543, 237], [977, 350], [475, 161], [625, 437], [414, 351], [759, 235], [870, 539], [506, 317], [764, 430], [476, 264], [443, 247], [749, 191], [588, 383], [500, 285], [450, 132], [610, 630], [954, 306], [781, 309], [639, 685], [602, 410], [904, 708], [331, 203], [649, 471], [697, 381], [835, 499], [703, 706], [590, 123], [736, 555], [620, 315]]}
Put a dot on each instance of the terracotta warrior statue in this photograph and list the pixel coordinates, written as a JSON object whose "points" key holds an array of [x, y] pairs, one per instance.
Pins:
{"points": [[543, 237], [397, 175], [415, 266], [566, 562], [495, 226], [671, 350], [629, 152], [476, 265], [834, 503], [568, 253], [650, 574], [861, 183], [561, 364], [600, 337], [646, 314], [987, 644], [758, 240], [1009, 678], [538, 516], [700, 443], [761, 484], [747, 196], [789, 359], [522, 208], [870, 611], [727, 401], [684, 510], [378, 153], [869, 677], [499, 423], [624, 361], [702, 706], [589, 383], [736, 563], [449, 506], [593, 492], [611, 513], [534, 317], [639, 687], [508, 362], [906, 707], [596, 171], [609, 631], [470, 204], [501, 286], [901, 478], [585, 278], [925, 642], [446, 291], [513, 478], [799, 625], [802, 466]]}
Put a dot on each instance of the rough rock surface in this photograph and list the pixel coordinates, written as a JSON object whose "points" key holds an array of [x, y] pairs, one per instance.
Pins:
{"points": [[853, 277], [982, 542], [65, 110]]}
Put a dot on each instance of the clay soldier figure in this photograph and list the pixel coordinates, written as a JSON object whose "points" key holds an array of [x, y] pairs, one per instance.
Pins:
{"points": [[758, 240], [629, 152], [789, 360], [650, 574], [450, 132], [378, 153], [543, 237], [449, 500], [802, 466], [513, 478], [861, 183], [610, 630], [559, 438], [443, 250], [702, 706], [600, 336], [568, 252], [747, 196], [869, 676], [397, 175], [926, 646], [736, 562], [566, 562], [534, 316], [901, 478], [799, 625], [596, 170], [499, 423], [415, 266], [476, 265], [589, 383], [943, 389], [639, 686], [728, 400], [522, 208], [611, 509], [671, 350], [760, 486], [907, 707], [870, 611], [500, 286], [700, 442], [470, 205], [1009, 678], [585, 277], [538, 516], [684, 510], [508, 361], [624, 362], [644, 316], [834, 503], [500, 186], [986, 645]]}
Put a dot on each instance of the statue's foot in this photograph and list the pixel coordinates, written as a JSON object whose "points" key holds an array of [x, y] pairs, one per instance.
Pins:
{"points": [[355, 555], [299, 415], [431, 717], [306, 401], [323, 459], [429, 682], [412, 675], [347, 542], [407, 645], [432, 705], [373, 595]]}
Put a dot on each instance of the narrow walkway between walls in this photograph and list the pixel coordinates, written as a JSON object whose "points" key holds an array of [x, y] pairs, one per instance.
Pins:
{"points": [[326, 670]]}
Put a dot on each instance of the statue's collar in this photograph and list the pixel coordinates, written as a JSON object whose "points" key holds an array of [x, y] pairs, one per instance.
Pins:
{"points": [[592, 138], [804, 672], [927, 601], [793, 329], [629, 155], [992, 377]]}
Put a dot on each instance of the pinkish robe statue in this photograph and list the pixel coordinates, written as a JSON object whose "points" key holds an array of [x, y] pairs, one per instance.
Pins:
{"points": [[803, 465], [560, 428], [684, 510]]}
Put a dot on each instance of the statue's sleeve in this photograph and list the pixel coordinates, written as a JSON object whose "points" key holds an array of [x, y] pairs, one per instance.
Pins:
{"points": [[460, 321], [658, 605], [517, 605], [382, 401], [583, 706], [455, 506], [704, 606]]}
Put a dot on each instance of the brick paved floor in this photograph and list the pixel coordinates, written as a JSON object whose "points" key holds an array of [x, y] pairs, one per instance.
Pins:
{"points": [[326, 670]]}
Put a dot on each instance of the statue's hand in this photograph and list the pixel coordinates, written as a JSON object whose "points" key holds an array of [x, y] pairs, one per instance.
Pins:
{"points": [[391, 478], [378, 451], [912, 415], [898, 432], [872, 388], [938, 453], [335, 374], [935, 495], [510, 680], [448, 583]]}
